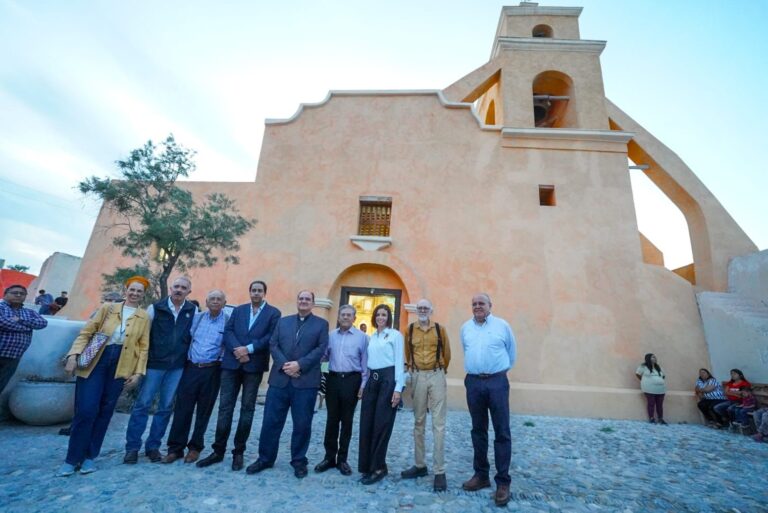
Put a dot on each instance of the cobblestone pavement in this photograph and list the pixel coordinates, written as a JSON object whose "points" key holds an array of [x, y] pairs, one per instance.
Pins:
{"points": [[558, 465]]}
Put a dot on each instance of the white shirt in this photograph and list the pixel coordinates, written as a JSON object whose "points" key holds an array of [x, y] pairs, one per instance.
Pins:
{"points": [[119, 334], [151, 310], [385, 349]]}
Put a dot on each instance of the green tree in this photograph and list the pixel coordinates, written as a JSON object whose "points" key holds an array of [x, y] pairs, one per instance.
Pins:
{"points": [[159, 222], [17, 267]]}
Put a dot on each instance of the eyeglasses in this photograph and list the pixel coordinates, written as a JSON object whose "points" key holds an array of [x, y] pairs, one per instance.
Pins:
{"points": [[16, 293], [423, 308]]}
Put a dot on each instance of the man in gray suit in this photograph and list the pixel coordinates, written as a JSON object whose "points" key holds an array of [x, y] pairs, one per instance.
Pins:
{"points": [[297, 344]]}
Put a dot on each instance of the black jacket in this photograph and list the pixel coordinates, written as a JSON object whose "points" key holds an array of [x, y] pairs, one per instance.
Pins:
{"points": [[169, 339]]}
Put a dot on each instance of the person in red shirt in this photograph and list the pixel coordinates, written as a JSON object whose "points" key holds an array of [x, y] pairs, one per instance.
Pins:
{"points": [[725, 411]]}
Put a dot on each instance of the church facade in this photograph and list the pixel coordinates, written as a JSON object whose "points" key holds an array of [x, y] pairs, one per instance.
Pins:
{"points": [[513, 181]]}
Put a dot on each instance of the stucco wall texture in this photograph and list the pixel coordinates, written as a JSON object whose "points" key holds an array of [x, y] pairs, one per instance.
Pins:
{"points": [[466, 217]]}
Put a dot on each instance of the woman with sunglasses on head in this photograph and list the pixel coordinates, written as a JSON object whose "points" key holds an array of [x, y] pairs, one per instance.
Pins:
{"points": [[120, 362]]}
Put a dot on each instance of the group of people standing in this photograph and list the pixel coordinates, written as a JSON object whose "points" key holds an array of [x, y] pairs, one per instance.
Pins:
{"points": [[189, 358], [49, 306]]}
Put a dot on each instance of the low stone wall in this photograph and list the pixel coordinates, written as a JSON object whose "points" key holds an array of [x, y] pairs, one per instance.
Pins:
{"points": [[44, 356]]}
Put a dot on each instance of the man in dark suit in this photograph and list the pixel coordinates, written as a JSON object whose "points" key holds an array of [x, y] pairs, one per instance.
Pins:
{"points": [[297, 344], [245, 359]]}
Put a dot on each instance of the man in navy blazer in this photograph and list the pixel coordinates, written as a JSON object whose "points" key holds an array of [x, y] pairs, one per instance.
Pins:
{"points": [[297, 344], [245, 360]]}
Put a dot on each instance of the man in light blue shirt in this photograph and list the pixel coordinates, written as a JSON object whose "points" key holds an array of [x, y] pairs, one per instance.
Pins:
{"points": [[489, 352], [200, 381]]}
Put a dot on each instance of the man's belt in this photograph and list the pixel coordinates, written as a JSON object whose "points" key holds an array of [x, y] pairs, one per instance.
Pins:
{"points": [[486, 376], [204, 365], [344, 374], [432, 369]]}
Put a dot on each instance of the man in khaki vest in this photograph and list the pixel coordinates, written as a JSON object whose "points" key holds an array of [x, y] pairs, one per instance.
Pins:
{"points": [[427, 355]]}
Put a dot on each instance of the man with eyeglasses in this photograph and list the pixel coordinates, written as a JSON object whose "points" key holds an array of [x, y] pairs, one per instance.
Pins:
{"points": [[297, 345], [427, 355], [16, 326], [489, 352]]}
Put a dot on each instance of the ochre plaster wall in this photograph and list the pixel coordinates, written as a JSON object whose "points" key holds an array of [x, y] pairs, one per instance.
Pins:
{"points": [[563, 27], [466, 217]]}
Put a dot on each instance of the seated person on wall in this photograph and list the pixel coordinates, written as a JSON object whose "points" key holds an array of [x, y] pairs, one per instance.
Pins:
{"points": [[746, 406], [44, 300], [709, 393], [725, 411], [761, 424]]}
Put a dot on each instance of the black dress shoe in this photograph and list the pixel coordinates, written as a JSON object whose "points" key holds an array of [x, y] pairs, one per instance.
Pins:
{"points": [[374, 477], [324, 465], [414, 472], [209, 460], [237, 462], [441, 484], [256, 467], [131, 457], [300, 471], [154, 455], [344, 468], [366, 476]]}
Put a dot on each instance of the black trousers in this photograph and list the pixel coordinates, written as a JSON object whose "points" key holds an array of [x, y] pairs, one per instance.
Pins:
{"points": [[377, 418], [197, 389], [341, 401], [706, 408], [231, 383], [490, 394]]}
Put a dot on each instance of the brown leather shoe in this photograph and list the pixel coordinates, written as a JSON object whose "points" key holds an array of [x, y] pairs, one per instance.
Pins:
{"points": [[171, 457], [476, 483], [501, 497], [192, 456]]}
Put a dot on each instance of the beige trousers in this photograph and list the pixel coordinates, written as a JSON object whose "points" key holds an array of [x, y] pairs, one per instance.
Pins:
{"points": [[429, 391]]}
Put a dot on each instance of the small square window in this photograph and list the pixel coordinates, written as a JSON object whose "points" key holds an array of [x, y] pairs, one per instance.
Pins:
{"points": [[547, 195], [375, 216]]}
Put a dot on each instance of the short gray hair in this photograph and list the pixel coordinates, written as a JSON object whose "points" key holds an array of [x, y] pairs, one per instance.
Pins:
{"points": [[214, 291], [348, 307]]}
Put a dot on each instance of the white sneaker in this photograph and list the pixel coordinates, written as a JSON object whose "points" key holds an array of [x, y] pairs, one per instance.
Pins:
{"points": [[65, 470], [87, 467]]}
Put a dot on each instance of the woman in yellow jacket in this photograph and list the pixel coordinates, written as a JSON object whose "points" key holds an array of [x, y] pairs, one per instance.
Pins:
{"points": [[120, 362]]}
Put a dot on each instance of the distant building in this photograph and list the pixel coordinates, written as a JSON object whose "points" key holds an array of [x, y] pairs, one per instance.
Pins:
{"points": [[57, 274]]}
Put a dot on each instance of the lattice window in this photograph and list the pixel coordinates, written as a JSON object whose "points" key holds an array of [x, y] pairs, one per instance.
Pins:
{"points": [[375, 217]]}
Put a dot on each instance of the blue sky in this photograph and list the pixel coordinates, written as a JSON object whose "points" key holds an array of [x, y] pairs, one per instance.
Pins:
{"points": [[83, 83]]}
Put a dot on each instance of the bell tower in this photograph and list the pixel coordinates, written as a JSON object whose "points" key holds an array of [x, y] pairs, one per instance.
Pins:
{"points": [[541, 73]]}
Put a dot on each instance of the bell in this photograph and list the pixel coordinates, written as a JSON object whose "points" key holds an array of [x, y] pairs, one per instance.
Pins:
{"points": [[540, 110]]}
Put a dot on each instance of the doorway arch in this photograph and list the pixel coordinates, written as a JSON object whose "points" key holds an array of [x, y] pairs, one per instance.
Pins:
{"points": [[373, 279]]}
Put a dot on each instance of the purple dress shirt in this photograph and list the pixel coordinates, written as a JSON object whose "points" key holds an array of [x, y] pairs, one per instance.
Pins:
{"points": [[348, 352]]}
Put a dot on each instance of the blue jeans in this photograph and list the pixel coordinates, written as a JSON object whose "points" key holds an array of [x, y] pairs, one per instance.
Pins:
{"points": [[164, 382], [484, 395], [725, 411], [95, 400]]}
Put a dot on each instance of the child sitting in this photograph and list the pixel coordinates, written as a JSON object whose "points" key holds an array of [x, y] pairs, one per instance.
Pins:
{"points": [[747, 405]]}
